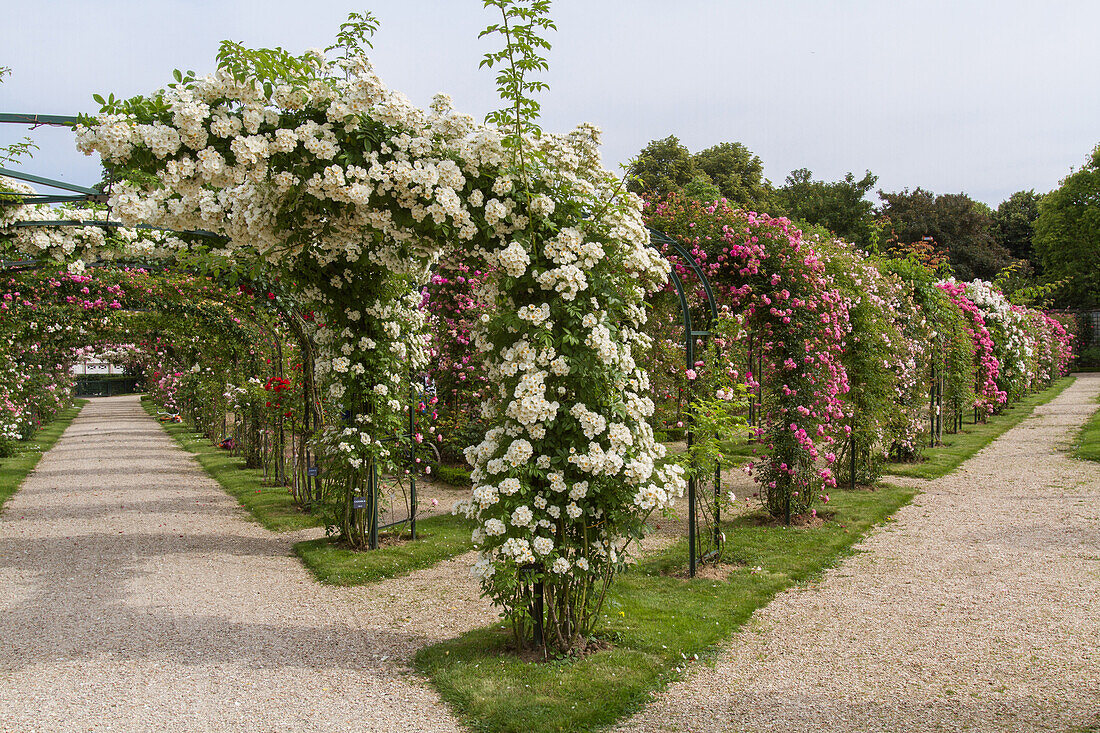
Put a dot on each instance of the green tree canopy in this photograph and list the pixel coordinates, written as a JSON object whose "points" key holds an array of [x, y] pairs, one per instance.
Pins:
{"points": [[738, 174], [1014, 224], [1067, 235], [840, 206], [958, 224], [663, 167], [726, 170]]}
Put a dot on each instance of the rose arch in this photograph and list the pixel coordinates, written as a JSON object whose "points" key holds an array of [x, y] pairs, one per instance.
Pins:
{"points": [[312, 173]]}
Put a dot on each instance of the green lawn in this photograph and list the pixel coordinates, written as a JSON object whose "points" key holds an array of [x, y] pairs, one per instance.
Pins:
{"points": [[14, 469], [945, 458], [271, 506], [657, 625], [438, 538], [1087, 447]]}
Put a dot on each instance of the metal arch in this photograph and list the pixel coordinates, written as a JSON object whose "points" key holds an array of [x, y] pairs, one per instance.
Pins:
{"points": [[31, 178], [35, 120], [656, 239], [109, 224]]}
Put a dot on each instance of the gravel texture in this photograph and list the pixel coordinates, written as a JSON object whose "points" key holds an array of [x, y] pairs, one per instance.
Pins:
{"points": [[136, 596], [977, 610]]}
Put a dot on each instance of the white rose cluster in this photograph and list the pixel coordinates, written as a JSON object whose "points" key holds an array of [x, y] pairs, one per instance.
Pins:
{"points": [[1010, 328], [236, 159], [561, 488]]}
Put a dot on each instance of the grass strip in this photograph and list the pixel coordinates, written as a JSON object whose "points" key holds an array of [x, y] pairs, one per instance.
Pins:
{"points": [[438, 538], [1087, 447], [271, 506], [944, 459], [15, 468], [658, 625]]}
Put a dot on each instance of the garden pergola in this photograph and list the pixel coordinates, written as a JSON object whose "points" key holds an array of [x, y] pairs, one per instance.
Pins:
{"points": [[697, 327]]}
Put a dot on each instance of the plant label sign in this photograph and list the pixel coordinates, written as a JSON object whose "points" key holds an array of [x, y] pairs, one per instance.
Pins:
{"points": [[359, 503], [312, 471]]}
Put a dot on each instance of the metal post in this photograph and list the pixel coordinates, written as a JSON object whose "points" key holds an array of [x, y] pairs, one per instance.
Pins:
{"points": [[412, 459], [752, 397], [717, 505], [537, 617], [939, 409], [689, 435], [372, 505], [691, 521], [932, 405], [852, 449]]}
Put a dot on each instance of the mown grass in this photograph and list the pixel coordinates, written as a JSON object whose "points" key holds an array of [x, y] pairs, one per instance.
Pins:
{"points": [[1087, 447], [271, 506], [658, 624], [944, 459], [438, 538], [15, 468]]}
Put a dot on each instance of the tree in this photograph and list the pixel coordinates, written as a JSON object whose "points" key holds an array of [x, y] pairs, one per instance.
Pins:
{"points": [[726, 170], [662, 167], [1014, 224], [701, 189], [1067, 235], [840, 207], [738, 174], [957, 223]]}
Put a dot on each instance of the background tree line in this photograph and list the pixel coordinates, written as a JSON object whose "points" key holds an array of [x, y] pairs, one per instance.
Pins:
{"points": [[1038, 246]]}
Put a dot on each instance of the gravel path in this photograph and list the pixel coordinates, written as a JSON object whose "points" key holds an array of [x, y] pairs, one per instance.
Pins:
{"points": [[978, 610], [136, 596]]}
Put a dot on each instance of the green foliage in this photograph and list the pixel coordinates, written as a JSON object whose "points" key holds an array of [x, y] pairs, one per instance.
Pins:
{"points": [[701, 188], [950, 349], [522, 23], [1014, 224], [1067, 232], [718, 410], [452, 475], [958, 224], [26, 454], [656, 625], [354, 36], [876, 344], [663, 166], [726, 170], [841, 206], [1020, 287], [738, 174], [1089, 357], [437, 539]]}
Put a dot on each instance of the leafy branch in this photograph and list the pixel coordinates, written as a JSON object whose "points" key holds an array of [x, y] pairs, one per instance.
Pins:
{"points": [[354, 36], [522, 23], [14, 151]]}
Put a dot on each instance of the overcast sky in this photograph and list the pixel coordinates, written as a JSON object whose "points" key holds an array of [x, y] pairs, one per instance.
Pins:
{"points": [[985, 97]]}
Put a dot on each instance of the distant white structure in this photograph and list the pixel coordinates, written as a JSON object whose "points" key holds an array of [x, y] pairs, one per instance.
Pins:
{"points": [[96, 368]]}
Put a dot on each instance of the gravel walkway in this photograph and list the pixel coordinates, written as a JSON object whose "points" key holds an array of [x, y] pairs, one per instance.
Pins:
{"points": [[978, 610], [136, 596]]}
